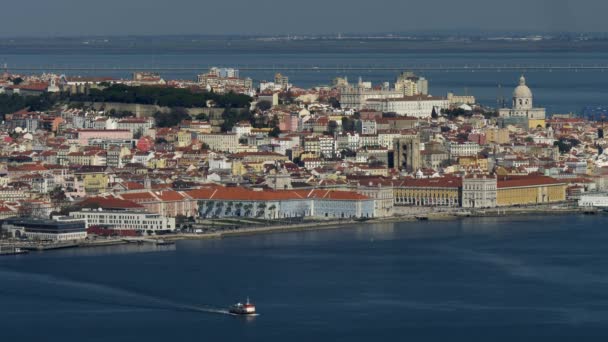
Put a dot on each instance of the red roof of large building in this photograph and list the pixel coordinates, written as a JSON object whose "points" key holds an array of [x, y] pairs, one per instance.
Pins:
{"points": [[522, 181], [110, 203], [243, 194]]}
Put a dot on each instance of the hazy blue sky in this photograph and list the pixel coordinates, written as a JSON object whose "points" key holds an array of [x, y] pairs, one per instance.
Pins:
{"points": [[112, 17]]}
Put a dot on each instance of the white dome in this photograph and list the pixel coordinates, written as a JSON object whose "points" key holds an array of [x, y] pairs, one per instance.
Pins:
{"points": [[522, 91]]}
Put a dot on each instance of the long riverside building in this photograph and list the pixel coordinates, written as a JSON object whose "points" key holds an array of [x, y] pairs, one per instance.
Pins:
{"points": [[428, 192], [529, 190], [242, 202]]}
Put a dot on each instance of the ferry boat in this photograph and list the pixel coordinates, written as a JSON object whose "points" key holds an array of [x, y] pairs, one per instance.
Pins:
{"points": [[243, 309]]}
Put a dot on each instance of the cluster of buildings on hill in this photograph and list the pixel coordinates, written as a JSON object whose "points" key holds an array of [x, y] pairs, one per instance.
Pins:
{"points": [[340, 152]]}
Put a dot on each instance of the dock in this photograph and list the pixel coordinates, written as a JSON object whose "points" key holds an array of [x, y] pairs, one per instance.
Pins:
{"points": [[4, 251]]}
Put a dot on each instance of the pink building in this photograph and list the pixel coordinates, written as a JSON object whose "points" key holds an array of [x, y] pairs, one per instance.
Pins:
{"points": [[85, 134], [478, 138], [289, 123]]}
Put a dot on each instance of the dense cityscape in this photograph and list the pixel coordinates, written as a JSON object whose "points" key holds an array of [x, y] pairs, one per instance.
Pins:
{"points": [[99, 160]]}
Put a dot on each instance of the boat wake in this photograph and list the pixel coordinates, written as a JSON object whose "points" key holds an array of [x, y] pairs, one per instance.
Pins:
{"points": [[94, 293]]}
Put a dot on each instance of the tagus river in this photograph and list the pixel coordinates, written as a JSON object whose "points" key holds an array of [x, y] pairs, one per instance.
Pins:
{"points": [[491, 279]]}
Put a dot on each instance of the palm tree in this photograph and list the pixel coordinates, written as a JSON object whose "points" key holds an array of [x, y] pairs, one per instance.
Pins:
{"points": [[238, 207], [261, 209], [208, 206], [228, 208], [247, 208], [218, 209], [272, 208]]}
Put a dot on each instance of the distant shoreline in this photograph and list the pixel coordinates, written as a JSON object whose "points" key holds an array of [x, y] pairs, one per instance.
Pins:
{"points": [[147, 45]]}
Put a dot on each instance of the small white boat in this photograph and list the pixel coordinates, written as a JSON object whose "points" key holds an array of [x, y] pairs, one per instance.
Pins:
{"points": [[243, 309]]}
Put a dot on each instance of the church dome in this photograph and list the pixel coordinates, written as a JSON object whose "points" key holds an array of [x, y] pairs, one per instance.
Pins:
{"points": [[522, 91]]}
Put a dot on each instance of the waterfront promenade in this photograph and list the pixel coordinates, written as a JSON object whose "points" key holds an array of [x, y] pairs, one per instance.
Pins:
{"points": [[210, 230]]}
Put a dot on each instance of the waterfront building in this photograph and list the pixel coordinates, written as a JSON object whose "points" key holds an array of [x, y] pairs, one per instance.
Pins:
{"points": [[597, 200], [168, 203], [124, 220], [59, 229], [529, 190], [242, 202], [432, 192], [380, 190], [479, 191]]}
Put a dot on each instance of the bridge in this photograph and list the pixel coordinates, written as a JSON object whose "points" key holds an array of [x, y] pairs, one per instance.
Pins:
{"points": [[343, 68]]}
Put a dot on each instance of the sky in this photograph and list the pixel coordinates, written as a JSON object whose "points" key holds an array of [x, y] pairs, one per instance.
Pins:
{"points": [[278, 17]]}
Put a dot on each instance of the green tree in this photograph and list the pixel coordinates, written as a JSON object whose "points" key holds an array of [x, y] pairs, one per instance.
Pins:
{"points": [[334, 103], [348, 124], [171, 119], [264, 106], [332, 127], [275, 132], [202, 117]]}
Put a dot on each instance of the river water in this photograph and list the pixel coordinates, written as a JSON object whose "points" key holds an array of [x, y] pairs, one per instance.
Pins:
{"points": [[560, 91], [492, 279]]}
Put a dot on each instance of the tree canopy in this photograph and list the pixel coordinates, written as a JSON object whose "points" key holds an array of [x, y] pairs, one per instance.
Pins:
{"points": [[162, 96]]}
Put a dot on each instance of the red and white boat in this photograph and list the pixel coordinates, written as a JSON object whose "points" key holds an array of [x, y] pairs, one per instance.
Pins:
{"points": [[243, 309]]}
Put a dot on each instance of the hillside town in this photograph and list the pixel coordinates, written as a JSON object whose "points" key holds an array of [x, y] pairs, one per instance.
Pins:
{"points": [[145, 156]]}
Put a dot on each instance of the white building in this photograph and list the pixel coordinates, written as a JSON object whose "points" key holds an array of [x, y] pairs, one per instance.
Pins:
{"points": [[225, 142], [59, 229], [466, 149], [241, 129], [594, 200], [479, 191], [347, 141], [523, 104], [356, 97], [416, 106], [131, 220], [241, 202]]}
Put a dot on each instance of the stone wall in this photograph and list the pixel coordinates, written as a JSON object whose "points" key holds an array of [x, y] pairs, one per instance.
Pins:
{"points": [[142, 110]]}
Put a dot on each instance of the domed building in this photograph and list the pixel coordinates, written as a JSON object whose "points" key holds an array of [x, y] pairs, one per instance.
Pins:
{"points": [[523, 105]]}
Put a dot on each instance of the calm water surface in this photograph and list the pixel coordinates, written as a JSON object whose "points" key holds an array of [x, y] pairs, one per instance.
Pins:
{"points": [[558, 91], [541, 279]]}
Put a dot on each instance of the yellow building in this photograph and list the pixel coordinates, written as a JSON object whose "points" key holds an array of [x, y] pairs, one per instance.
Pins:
{"points": [[240, 167], [534, 123], [474, 162], [529, 190], [157, 163], [497, 135], [432, 192], [184, 138], [95, 183]]}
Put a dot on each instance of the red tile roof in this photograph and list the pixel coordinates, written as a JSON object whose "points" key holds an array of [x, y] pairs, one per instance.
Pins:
{"points": [[522, 181], [110, 203]]}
